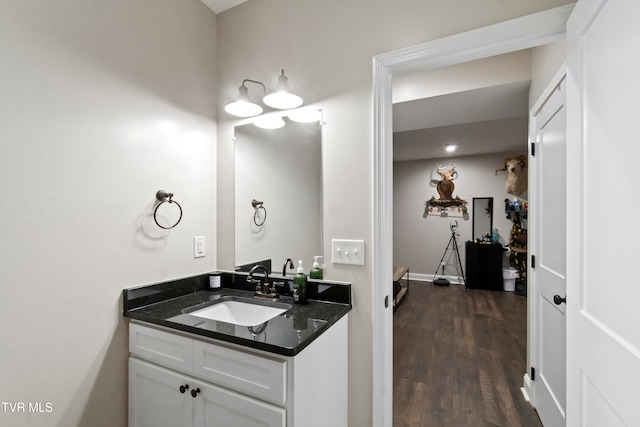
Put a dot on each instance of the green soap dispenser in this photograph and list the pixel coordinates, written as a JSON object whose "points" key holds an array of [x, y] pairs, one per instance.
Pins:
{"points": [[300, 285], [316, 271]]}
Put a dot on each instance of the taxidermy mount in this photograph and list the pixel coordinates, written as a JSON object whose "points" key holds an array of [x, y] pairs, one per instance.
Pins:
{"points": [[445, 189], [516, 169]]}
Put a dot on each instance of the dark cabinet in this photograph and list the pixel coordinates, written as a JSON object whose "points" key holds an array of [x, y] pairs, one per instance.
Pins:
{"points": [[484, 265]]}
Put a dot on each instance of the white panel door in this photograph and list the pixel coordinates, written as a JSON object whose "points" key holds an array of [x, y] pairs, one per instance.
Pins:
{"points": [[603, 149], [549, 274]]}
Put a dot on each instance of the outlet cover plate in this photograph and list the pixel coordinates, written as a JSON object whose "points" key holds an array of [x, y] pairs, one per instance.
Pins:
{"points": [[347, 251], [199, 246]]}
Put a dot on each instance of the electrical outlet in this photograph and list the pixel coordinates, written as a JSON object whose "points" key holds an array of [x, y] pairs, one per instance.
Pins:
{"points": [[347, 251], [199, 245]]}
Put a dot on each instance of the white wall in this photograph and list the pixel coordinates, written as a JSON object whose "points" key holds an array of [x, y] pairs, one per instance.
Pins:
{"points": [[326, 49], [103, 104], [419, 242], [545, 62]]}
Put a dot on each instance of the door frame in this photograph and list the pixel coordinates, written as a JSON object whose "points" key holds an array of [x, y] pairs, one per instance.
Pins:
{"points": [[521, 33]]}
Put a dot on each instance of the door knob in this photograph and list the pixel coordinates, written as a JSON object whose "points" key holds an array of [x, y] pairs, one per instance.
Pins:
{"points": [[184, 388], [557, 299], [195, 392]]}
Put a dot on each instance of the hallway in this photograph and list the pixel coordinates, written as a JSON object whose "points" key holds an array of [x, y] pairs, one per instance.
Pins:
{"points": [[459, 359]]}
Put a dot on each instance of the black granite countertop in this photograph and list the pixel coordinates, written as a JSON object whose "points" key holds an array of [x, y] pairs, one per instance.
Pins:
{"points": [[168, 304]]}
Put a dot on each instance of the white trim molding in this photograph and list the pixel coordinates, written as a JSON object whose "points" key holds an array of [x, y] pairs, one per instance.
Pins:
{"points": [[520, 33], [526, 389], [425, 277]]}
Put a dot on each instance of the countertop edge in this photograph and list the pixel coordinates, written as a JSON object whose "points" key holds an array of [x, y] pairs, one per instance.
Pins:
{"points": [[269, 348]]}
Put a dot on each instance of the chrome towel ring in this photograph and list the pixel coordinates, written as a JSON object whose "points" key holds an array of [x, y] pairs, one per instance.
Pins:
{"points": [[165, 197], [260, 210]]}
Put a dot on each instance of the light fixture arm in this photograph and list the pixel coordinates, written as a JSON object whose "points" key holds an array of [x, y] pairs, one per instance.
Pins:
{"points": [[264, 89]]}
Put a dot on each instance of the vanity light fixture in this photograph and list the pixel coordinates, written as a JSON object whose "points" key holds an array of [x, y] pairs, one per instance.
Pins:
{"points": [[243, 106], [281, 98]]}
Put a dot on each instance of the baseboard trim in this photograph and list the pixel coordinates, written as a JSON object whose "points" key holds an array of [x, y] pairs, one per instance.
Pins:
{"points": [[526, 389], [421, 277]]}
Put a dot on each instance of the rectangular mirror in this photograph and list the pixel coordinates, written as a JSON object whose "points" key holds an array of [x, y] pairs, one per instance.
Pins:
{"points": [[282, 169], [482, 217]]}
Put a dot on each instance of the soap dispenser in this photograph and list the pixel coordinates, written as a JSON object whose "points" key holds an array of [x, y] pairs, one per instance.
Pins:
{"points": [[316, 271], [300, 285]]}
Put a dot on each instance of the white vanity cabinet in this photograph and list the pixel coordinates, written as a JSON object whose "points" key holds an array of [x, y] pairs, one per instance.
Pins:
{"points": [[178, 380], [161, 397]]}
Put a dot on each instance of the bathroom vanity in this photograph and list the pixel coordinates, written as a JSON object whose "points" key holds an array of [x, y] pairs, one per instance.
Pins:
{"points": [[186, 370]]}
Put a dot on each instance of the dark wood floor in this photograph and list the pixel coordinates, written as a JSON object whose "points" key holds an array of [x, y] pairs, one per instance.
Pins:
{"points": [[459, 358]]}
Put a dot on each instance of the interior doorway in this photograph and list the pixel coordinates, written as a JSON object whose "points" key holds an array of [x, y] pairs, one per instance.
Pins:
{"points": [[482, 108], [529, 31]]}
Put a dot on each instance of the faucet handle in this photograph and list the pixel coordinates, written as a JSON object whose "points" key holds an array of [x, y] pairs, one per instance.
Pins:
{"points": [[254, 281], [282, 287]]}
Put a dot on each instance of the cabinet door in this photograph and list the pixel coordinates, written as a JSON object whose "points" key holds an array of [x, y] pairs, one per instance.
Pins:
{"points": [[472, 261], [218, 407], [155, 399], [484, 266]]}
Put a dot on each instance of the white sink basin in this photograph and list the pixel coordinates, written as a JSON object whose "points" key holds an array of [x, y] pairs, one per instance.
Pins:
{"points": [[240, 313]]}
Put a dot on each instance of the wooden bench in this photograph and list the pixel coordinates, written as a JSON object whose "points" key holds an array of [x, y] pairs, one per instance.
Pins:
{"points": [[400, 290]]}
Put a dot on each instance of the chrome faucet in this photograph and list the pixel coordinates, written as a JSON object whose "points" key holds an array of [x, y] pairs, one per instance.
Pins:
{"points": [[289, 262], [263, 289]]}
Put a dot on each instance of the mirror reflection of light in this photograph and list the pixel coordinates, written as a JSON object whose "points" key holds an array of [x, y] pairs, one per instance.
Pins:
{"points": [[304, 115], [268, 122]]}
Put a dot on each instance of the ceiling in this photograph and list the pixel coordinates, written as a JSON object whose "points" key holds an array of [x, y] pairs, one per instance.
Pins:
{"points": [[479, 121], [219, 6]]}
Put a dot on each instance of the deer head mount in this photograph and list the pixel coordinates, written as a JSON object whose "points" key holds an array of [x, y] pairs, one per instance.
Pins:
{"points": [[446, 186], [447, 175], [445, 189]]}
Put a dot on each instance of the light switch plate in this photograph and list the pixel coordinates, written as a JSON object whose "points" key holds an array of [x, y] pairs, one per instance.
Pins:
{"points": [[347, 251], [199, 245]]}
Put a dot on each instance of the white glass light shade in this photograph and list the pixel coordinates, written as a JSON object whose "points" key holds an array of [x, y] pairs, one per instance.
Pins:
{"points": [[281, 98], [243, 107], [268, 122]]}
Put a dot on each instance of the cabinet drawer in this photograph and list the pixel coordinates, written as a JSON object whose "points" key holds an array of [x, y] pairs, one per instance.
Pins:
{"points": [[166, 349], [257, 376]]}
